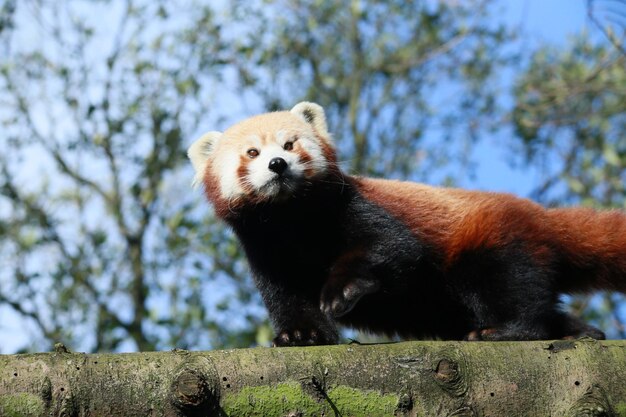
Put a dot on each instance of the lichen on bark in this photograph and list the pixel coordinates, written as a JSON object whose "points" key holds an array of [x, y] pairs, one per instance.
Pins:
{"points": [[570, 378]]}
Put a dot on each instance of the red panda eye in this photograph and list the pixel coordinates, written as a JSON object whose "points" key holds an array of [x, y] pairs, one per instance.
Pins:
{"points": [[288, 146], [253, 152]]}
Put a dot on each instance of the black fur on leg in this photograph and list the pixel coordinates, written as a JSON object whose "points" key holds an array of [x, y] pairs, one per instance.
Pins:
{"points": [[510, 296], [575, 328]]}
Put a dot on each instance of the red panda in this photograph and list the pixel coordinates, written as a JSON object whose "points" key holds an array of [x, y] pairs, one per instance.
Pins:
{"points": [[398, 258]]}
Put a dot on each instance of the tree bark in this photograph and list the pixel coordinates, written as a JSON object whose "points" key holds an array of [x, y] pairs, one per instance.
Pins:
{"points": [[561, 378]]}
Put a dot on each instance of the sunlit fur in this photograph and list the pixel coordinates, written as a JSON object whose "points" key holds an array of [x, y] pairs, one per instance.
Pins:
{"points": [[233, 179], [454, 221], [395, 257]]}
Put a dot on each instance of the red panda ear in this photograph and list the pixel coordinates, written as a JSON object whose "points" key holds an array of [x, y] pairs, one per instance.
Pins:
{"points": [[199, 153], [313, 114]]}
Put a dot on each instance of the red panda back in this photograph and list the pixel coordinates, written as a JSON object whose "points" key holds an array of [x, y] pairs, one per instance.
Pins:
{"points": [[454, 220], [587, 246]]}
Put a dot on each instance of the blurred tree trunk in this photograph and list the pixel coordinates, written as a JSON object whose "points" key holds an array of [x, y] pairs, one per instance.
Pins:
{"points": [[564, 378]]}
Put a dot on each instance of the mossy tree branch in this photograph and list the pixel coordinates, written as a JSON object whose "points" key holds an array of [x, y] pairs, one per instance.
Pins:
{"points": [[565, 378]]}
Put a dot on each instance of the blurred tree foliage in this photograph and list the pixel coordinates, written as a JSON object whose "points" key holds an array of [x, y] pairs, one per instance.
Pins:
{"points": [[103, 244], [570, 120], [400, 81], [100, 245], [571, 112]]}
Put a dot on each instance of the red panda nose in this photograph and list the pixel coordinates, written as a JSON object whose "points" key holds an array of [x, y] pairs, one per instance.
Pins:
{"points": [[278, 165]]}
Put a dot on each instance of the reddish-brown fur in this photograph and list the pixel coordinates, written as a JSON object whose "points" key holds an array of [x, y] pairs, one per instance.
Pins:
{"points": [[593, 238], [454, 221], [212, 192]]}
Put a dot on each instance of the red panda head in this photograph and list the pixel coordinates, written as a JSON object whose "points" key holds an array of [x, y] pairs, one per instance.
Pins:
{"points": [[264, 158]]}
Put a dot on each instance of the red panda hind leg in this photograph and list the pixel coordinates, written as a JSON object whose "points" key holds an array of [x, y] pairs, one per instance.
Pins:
{"points": [[565, 326], [512, 296]]}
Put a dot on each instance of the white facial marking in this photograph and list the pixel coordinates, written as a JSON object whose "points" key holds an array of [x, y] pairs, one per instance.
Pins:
{"points": [[318, 163], [226, 169], [258, 177], [281, 137]]}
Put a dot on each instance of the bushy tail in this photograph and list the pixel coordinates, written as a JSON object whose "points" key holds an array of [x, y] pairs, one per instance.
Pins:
{"points": [[593, 246]]}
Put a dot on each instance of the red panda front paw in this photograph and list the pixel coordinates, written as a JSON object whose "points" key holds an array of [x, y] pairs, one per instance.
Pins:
{"points": [[337, 300], [297, 337]]}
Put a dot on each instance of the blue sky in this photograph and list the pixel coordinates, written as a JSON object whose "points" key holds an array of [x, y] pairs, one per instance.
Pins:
{"points": [[540, 22], [547, 20]]}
